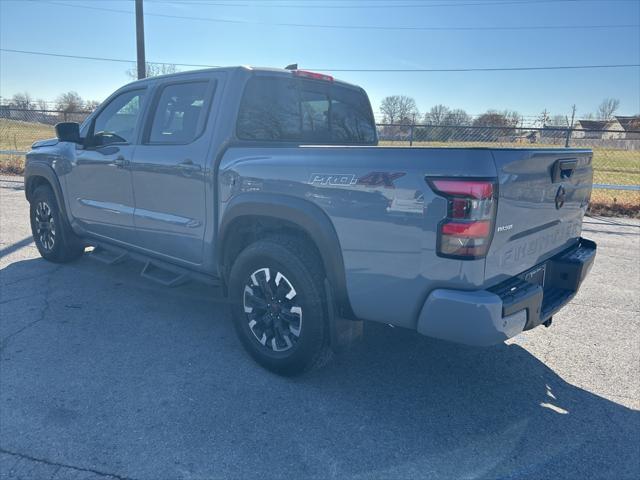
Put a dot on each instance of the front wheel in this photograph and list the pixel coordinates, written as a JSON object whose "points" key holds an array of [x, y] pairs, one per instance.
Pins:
{"points": [[278, 307], [54, 239]]}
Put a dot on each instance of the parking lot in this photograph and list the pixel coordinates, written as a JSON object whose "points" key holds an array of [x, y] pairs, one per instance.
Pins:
{"points": [[106, 375]]}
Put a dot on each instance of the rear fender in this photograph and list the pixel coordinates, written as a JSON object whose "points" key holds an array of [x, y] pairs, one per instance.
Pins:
{"points": [[308, 217]]}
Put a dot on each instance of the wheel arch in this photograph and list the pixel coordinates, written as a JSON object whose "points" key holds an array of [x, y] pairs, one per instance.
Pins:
{"points": [[252, 216], [37, 174]]}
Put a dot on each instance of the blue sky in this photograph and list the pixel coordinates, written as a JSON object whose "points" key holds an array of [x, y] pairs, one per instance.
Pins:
{"points": [[65, 27]]}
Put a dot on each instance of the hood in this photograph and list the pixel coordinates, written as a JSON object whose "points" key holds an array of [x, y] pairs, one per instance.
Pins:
{"points": [[50, 142]]}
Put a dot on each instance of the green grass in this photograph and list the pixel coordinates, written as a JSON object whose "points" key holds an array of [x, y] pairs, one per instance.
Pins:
{"points": [[621, 197], [18, 135], [616, 160], [616, 177], [619, 167]]}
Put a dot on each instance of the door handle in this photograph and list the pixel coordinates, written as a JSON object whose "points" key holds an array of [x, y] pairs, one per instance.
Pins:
{"points": [[121, 162], [188, 164], [563, 169]]}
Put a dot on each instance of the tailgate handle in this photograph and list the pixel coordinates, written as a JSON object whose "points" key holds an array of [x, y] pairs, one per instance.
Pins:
{"points": [[563, 169]]}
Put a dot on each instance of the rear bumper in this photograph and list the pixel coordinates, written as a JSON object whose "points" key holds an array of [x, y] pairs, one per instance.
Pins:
{"points": [[487, 317]]}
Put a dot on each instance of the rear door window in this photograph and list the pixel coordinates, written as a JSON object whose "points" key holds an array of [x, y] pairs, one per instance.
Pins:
{"points": [[305, 111], [179, 115]]}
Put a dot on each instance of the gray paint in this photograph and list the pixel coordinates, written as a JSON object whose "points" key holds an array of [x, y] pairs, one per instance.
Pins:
{"points": [[387, 234], [170, 201], [473, 318]]}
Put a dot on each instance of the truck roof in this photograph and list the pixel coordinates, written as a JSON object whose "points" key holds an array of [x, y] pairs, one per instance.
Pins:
{"points": [[246, 68]]}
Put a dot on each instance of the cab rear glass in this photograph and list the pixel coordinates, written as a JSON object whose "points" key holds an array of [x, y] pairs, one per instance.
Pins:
{"points": [[281, 109]]}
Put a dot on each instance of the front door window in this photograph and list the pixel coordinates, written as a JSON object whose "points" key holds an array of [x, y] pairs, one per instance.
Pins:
{"points": [[117, 123]]}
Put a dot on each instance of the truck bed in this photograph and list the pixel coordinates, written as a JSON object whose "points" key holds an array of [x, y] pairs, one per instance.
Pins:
{"points": [[386, 216]]}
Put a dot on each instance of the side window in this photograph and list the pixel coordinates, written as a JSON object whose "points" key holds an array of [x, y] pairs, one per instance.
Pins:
{"points": [[314, 107], [117, 122], [307, 111], [269, 110], [351, 118], [179, 113]]}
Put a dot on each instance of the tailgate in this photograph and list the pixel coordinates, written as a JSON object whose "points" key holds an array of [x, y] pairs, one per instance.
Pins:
{"points": [[543, 195]]}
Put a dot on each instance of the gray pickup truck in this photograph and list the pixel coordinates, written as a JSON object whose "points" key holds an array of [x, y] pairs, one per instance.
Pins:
{"points": [[270, 183]]}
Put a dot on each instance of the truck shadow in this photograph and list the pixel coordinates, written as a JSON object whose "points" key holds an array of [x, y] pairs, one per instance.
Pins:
{"points": [[461, 412], [396, 405]]}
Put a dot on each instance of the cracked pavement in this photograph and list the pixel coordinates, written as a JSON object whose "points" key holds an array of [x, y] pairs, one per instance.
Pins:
{"points": [[104, 375]]}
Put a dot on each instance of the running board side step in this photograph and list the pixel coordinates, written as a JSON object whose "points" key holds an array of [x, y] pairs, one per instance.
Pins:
{"points": [[164, 273], [164, 276], [108, 256]]}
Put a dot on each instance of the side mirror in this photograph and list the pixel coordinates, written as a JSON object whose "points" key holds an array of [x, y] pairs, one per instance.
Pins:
{"points": [[68, 132]]}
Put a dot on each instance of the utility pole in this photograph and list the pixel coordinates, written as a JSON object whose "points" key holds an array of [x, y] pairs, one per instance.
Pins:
{"points": [[142, 64], [570, 130], [573, 114]]}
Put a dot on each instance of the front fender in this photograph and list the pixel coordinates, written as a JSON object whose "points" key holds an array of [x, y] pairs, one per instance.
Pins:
{"points": [[34, 171]]}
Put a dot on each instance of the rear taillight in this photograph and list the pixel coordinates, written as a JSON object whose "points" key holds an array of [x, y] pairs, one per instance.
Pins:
{"points": [[466, 231]]}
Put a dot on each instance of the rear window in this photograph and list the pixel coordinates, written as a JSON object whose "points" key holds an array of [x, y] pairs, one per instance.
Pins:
{"points": [[177, 119], [305, 111]]}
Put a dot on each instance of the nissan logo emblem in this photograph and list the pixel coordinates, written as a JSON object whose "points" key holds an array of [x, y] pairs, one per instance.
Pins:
{"points": [[561, 196]]}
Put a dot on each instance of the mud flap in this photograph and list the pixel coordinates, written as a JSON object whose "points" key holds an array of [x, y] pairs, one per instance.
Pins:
{"points": [[343, 332]]}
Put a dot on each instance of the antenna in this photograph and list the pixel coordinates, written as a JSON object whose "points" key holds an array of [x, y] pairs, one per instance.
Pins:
{"points": [[293, 66]]}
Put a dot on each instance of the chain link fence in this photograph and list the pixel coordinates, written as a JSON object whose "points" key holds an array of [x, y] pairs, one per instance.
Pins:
{"points": [[19, 128], [616, 160], [616, 153]]}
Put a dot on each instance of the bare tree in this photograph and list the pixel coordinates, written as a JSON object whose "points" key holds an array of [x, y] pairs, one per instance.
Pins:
{"points": [[558, 121], [398, 109], [607, 108], [494, 118], [457, 118], [543, 119], [91, 105], [22, 100], [69, 102], [437, 114], [505, 121], [153, 70], [42, 104], [513, 117], [441, 124]]}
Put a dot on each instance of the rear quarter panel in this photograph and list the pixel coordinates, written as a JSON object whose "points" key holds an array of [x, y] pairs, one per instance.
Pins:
{"points": [[384, 214]]}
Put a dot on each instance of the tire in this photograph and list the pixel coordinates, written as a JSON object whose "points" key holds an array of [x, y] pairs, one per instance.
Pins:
{"points": [[278, 305], [53, 237]]}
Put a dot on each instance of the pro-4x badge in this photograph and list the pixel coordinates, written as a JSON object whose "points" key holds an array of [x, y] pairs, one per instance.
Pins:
{"points": [[371, 179], [333, 179]]}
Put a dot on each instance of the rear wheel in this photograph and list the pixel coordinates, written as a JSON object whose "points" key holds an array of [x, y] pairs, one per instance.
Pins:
{"points": [[277, 297], [54, 239]]}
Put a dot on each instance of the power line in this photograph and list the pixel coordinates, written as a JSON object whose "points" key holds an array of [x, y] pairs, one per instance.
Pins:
{"points": [[368, 6], [351, 70], [473, 69], [354, 27], [103, 59]]}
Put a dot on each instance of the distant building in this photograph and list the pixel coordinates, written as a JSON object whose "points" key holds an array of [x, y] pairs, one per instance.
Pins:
{"points": [[553, 132], [617, 128], [589, 129], [623, 128]]}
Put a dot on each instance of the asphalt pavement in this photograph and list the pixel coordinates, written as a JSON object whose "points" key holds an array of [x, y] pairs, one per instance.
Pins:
{"points": [[105, 375]]}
